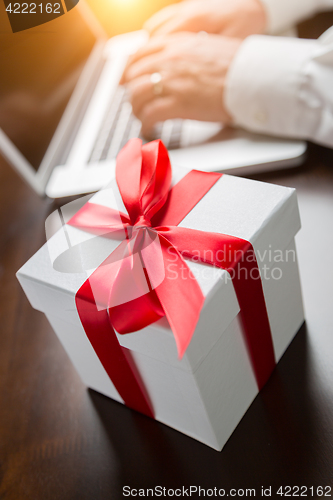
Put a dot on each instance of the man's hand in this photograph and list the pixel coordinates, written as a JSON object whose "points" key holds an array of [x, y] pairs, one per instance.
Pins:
{"points": [[193, 70], [237, 18]]}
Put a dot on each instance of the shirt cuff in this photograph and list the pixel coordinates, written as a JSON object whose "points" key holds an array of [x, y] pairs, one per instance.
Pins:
{"points": [[264, 85], [282, 14]]}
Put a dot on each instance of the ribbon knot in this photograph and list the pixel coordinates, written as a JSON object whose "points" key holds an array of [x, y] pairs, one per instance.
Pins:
{"points": [[142, 221]]}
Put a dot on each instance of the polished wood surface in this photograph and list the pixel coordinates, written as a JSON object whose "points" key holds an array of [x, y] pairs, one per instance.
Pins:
{"points": [[59, 440]]}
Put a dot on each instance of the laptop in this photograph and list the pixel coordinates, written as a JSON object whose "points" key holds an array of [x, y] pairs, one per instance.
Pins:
{"points": [[64, 117]]}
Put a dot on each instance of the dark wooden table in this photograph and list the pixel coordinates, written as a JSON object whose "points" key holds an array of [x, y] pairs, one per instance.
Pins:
{"points": [[59, 440]]}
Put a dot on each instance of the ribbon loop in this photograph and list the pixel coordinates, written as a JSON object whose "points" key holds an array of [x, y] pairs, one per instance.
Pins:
{"points": [[143, 175]]}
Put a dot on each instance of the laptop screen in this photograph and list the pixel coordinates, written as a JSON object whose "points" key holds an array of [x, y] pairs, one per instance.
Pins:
{"points": [[39, 70]]}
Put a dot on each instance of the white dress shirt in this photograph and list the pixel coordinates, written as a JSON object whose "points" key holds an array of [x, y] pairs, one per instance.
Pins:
{"points": [[284, 86]]}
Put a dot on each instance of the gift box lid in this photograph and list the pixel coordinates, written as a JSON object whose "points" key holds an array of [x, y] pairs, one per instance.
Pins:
{"points": [[264, 214]]}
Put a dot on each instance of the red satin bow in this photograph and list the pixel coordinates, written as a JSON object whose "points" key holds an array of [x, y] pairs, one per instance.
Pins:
{"points": [[135, 286]]}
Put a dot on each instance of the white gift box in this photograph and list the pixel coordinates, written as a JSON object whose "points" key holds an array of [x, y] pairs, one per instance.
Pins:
{"points": [[207, 392]]}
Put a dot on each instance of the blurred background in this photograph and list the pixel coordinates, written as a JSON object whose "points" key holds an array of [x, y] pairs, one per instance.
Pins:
{"points": [[119, 16], [32, 100]]}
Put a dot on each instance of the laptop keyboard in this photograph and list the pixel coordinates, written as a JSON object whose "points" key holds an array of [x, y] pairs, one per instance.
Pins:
{"points": [[119, 125]]}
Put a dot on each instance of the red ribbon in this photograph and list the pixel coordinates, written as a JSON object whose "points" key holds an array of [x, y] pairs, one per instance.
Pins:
{"points": [[146, 261]]}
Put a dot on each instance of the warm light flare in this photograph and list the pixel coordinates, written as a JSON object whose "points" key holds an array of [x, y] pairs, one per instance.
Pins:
{"points": [[123, 2], [120, 16]]}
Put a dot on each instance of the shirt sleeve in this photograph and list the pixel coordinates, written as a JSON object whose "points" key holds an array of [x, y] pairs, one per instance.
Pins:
{"points": [[282, 14], [283, 86]]}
